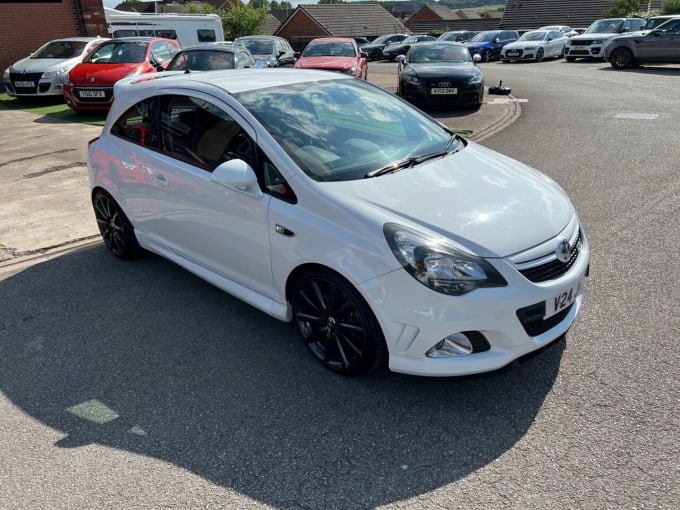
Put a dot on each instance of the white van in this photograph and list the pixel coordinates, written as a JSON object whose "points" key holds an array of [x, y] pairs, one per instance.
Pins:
{"points": [[187, 29]]}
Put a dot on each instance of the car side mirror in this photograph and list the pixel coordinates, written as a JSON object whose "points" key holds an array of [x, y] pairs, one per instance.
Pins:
{"points": [[237, 175], [401, 59], [476, 58]]}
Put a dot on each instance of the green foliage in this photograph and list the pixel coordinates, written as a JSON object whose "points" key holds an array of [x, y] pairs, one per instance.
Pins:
{"points": [[670, 7], [243, 20], [622, 8]]}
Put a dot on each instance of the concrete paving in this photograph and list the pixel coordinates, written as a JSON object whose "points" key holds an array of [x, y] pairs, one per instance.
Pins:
{"points": [[45, 206]]}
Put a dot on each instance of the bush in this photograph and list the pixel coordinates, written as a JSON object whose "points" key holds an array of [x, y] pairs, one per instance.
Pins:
{"points": [[670, 7]]}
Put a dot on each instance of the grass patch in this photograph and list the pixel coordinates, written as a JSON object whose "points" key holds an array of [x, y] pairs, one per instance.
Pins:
{"points": [[51, 107]]}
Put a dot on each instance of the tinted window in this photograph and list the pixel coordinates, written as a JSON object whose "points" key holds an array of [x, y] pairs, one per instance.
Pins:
{"points": [[205, 35], [136, 125]]}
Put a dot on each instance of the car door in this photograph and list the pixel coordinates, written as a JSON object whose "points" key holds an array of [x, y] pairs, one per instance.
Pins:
{"points": [[219, 229], [661, 44]]}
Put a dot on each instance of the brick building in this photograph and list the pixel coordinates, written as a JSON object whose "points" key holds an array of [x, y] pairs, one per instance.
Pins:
{"points": [[27, 24]]}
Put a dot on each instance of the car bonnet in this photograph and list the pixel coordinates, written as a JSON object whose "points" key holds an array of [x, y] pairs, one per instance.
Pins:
{"points": [[489, 204]]}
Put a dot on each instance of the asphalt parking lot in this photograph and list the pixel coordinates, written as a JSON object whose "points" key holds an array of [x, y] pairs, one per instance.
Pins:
{"points": [[44, 193]]}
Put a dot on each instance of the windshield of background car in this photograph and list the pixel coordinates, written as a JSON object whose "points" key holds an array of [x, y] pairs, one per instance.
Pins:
{"points": [[382, 39], [339, 130], [329, 49], [484, 37], [119, 52], [439, 53], [605, 26], [532, 36], [257, 46], [60, 49]]}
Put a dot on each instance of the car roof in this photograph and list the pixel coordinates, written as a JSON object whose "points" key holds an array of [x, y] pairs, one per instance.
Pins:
{"points": [[82, 39], [230, 48], [332, 39]]}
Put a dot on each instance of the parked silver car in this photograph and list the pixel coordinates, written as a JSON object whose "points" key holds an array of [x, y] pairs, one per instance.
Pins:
{"points": [[43, 72], [660, 45]]}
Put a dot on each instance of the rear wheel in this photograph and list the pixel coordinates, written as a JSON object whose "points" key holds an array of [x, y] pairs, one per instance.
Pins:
{"points": [[488, 56], [336, 324], [114, 226], [621, 58]]}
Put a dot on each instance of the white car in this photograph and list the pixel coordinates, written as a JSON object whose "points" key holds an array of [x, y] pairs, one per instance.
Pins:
{"points": [[44, 71], [563, 29], [591, 43], [535, 45], [328, 201]]}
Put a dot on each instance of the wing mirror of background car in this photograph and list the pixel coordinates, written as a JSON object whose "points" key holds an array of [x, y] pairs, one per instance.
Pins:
{"points": [[496, 39], [238, 175], [476, 58], [401, 59], [363, 54]]}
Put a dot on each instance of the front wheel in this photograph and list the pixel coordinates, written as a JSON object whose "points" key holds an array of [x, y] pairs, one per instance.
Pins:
{"points": [[114, 226], [336, 324], [539, 55], [488, 56], [621, 58]]}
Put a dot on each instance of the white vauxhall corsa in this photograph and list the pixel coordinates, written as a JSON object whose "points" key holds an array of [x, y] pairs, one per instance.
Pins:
{"points": [[328, 201]]}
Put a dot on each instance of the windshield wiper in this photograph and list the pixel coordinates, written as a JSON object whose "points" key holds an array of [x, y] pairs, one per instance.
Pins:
{"points": [[415, 160]]}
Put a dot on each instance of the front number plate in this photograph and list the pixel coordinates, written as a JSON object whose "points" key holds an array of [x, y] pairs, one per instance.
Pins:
{"points": [[512, 53], [443, 91], [24, 84], [91, 93], [562, 300]]}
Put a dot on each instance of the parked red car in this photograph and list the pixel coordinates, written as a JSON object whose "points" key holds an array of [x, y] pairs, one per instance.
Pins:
{"points": [[334, 54], [90, 84]]}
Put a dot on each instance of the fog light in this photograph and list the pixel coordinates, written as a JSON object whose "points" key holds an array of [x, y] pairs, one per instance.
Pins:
{"points": [[452, 346]]}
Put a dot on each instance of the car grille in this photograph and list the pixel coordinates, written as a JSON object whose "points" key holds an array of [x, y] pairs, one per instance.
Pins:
{"points": [[34, 77], [108, 94], [582, 42], [478, 341], [555, 268], [531, 318]]}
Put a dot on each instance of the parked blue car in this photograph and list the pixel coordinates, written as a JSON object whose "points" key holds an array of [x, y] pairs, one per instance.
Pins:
{"points": [[488, 44]]}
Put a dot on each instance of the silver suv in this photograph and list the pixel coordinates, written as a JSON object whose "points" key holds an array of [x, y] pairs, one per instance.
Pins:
{"points": [[591, 43], [660, 45]]}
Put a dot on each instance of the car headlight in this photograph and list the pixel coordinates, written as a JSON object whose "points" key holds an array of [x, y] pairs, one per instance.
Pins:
{"points": [[55, 73], [412, 79], [440, 266], [598, 41], [476, 80], [5, 75]]}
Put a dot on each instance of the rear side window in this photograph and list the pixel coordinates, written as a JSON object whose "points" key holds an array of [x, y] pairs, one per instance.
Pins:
{"points": [[136, 125], [205, 35]]}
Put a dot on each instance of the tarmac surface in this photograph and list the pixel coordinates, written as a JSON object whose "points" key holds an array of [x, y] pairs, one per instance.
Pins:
{"points": [[45, 207]]}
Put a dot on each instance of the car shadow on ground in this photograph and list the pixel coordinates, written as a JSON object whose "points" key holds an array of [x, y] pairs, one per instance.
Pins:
{"points": [[144, 357]]}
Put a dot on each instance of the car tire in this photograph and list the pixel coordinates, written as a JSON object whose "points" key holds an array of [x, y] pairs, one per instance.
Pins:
{"points": [[539, 55], [621, 58], [561, 55], [336, 324], [488, 56], [376, 54], [115, 228]]}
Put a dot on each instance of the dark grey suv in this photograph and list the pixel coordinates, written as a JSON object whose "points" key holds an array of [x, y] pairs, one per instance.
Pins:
{"points": [[660, 45]]}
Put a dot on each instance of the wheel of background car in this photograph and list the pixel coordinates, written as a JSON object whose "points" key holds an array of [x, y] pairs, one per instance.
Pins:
{"points": [[621, 58], [561, 53], [336, 324], [487, 56], [539, 55], [376, 55], [114, 226]]}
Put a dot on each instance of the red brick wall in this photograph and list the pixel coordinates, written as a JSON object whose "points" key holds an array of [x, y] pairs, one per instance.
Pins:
{"points": [[24, 26], [301, 29]]}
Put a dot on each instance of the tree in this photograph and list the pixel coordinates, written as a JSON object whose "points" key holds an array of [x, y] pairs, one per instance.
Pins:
{"points": [[260, 4], [670, 7], [622, 8], [243, 20]]}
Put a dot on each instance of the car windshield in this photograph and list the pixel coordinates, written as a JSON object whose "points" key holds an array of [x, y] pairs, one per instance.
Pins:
{"points": [[202, 60], [484, 37], [338, 130], [605, 26], [257, 46], [381, 39], [533, 36], [439, 53], [60, 49], [329, 49], [119, 52]]}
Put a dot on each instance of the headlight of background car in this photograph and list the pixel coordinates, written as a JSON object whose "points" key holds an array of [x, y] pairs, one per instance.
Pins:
{"points": [[5, 75], [55, 73], [438, 266], [412, 78], [598, 41]]}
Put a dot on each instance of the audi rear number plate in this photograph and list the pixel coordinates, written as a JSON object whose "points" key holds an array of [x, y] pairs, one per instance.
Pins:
{"points": [[91, 93], [443, 91], [562, 300], [24, 84]]}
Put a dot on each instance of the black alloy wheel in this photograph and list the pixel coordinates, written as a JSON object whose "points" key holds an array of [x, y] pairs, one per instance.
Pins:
{"points": [[114, 226], [621, 58], [336, 324], [539, 55], [488, 56]]}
